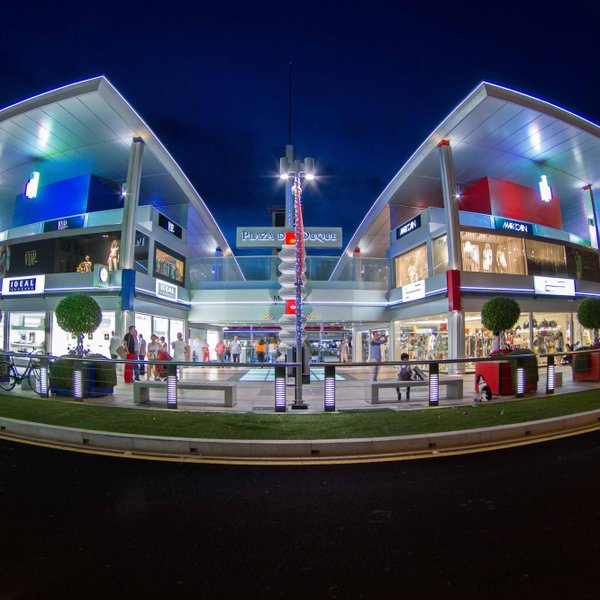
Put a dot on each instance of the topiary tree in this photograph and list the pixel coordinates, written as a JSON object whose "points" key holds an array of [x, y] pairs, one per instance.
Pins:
{"points": [[78, 314], [498, 315], [588, 314]]}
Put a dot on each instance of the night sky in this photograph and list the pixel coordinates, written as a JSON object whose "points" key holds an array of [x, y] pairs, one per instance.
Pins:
{"points": [[370, 81]]}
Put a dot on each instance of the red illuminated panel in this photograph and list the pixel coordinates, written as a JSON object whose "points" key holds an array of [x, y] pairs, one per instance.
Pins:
{"points": [[290, 307]]}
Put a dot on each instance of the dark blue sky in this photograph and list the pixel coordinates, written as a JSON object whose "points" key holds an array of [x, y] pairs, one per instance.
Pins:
{"points": [[370, 81]]}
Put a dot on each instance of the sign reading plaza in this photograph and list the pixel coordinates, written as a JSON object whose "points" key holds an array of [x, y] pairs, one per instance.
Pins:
{"points": [[274, 237]]}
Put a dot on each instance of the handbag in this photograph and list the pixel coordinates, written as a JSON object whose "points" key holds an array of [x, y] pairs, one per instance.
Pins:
{"points": [[121, 353]]}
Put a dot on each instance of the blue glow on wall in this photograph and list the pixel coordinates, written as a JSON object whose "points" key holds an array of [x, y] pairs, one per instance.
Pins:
{"points": [[75, 196]]}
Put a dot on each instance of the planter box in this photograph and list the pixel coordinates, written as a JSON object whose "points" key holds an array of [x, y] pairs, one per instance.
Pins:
{"points": [[498, 376], [592, 373], [90, 387]]}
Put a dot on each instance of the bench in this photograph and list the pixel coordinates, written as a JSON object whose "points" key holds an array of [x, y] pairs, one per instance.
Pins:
{"points": [[454, 387], [141, 389]]}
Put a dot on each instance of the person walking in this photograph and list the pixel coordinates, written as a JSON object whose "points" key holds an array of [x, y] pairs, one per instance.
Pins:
{"points": [[153, 350], [131, 345], [114, 343], [142, 353], [236, 349], [260, 351], [377, 340], [344, 348], [205, 352], [179, 352], [220, 350], [272, 350]]}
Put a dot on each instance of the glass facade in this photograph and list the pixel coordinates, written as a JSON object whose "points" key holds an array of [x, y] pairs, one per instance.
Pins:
{"points": [[490, 253], [97, 342]]}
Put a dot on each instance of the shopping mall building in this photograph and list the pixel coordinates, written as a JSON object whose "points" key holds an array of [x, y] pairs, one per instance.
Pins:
{"points": [[499, 199]]}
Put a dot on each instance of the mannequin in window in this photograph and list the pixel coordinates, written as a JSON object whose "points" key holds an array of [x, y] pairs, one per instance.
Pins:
{"points": [[85, 266], [501, 261], [113, 256], [412, 273], [488, 258]]}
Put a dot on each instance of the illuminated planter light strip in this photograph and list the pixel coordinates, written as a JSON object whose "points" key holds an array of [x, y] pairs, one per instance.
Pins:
{"points": [[550, 378], [280, 398], [171, 386], [520, 381], [434, 384], [44, 378], [77, 382], [329, 389]]}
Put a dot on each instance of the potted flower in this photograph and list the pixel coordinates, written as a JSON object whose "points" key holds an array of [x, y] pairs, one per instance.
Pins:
{"points": [[586, 365]]}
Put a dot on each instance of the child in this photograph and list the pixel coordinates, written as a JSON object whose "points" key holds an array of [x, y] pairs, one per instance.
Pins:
{"points": [[485, 392], [405, 373]]}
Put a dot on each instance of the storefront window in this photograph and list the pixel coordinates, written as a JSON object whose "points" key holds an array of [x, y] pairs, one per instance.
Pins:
{"points": [[412, 266], [582, 264], [488, 253], [143, 325], [168, 265], [97, 342], [27, 332], [161, 327], [551, 332], [546, 259], [440, 255], [423, 338]]}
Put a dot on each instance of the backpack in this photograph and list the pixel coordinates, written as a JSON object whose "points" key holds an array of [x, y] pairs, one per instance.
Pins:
{"points": [[405, 373]]}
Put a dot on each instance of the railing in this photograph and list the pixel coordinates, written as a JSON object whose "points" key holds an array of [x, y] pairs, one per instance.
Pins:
{"points": [[82, 378], [372, 273]]}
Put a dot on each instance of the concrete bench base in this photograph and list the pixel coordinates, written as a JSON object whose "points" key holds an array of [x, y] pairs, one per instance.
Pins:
{"points": [[454, 387], [141, 389]]}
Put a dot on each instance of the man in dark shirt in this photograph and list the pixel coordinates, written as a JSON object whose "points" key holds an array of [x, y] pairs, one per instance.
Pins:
{"points": [[131, 342]]}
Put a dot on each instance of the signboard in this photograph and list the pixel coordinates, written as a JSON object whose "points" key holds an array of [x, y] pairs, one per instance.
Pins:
{"points": [[63, 224], [274, 237], [166, 290], [553, 286], [12, 286], [171, 227], [513, 226], [413, 291], [408, 227]]}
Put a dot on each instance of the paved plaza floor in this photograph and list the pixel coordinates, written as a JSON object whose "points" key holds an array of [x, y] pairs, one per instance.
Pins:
{"points": [[256, 390]]}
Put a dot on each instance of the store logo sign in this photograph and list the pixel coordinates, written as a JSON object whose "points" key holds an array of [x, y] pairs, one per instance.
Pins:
{"points": [[31, 188], [166, 290], [413, 291], [408, 227], [554, 286], [23, 285], [514, 226], [64, 224], [545, 189]]}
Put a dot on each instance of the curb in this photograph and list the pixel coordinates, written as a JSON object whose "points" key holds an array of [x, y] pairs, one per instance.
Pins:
{"points": [[294, 450]]}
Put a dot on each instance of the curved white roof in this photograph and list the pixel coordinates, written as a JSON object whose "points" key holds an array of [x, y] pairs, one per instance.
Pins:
{"points": [[87, 127], [494, 132]]}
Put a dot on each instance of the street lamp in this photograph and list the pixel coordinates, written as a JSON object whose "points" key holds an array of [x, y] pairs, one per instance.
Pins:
{"points": [[295, 170]]}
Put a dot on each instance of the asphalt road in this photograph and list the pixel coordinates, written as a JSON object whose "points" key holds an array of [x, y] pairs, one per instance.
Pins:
{"points": [[518, 523]]}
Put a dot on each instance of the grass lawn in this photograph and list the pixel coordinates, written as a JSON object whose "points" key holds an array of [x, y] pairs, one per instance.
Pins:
{"points": [[292, 426]]}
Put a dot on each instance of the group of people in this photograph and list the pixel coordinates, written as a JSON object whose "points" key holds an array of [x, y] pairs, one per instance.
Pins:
{"points": [[134, 346]]}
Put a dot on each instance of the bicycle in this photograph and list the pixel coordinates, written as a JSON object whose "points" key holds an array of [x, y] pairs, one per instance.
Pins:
{"points": [[10, 376]]}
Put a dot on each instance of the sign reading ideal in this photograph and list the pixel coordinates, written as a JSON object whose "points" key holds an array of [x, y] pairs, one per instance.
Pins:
{"points": [[23, 285], [274, 237], [166, 290]]}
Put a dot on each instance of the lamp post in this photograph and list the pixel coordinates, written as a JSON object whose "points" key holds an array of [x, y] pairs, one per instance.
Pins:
{"points": [[295, 170]]}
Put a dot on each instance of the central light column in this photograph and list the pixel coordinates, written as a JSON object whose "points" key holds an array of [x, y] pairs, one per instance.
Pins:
{"points": [[456, 315]]}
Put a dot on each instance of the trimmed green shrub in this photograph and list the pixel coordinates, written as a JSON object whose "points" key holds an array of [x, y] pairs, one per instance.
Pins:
{"points": [[499, 314], [78, 314], [588, 314]]}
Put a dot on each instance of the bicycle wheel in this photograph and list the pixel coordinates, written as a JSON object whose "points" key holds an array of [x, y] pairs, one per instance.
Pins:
{"points": [[34, 380], [8, 376]]}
